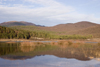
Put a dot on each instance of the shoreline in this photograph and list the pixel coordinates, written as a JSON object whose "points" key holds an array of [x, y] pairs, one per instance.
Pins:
{"points": [[71, 40], [1, 40], [25, 40]]}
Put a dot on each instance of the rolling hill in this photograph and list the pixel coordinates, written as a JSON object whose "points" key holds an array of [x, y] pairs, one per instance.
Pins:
{"points": [[62, 28], [17, 23], [94, 30], [83, 28], [70, 26]]}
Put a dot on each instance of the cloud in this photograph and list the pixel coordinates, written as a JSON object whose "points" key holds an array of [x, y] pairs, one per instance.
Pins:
{"points": [[7, 0], [45, 2], [49, 12], [17, 10]]}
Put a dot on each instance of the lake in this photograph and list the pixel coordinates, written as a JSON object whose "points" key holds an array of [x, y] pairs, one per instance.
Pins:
{"points": [[29, 54]]}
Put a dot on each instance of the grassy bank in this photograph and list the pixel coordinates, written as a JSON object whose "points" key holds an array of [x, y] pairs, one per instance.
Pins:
{"points": [[54, 40]]}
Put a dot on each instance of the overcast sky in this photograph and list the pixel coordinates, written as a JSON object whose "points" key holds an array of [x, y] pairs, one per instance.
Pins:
{"points": [[50, 12]]}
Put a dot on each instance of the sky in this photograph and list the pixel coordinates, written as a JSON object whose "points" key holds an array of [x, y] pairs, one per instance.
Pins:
{"points": [[50, 12]]}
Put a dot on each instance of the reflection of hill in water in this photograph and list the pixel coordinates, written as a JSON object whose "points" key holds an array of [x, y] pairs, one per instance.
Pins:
{"points": [[10, 57], [19, 52]]}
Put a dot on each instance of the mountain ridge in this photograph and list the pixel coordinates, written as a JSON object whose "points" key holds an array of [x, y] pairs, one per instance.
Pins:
{"points": [[94, 30], [17, 23], [79, 28], [70, 26]]}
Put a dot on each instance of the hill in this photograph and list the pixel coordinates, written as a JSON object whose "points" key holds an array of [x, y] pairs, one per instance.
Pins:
{"points": [[17, 23], [69, 27], [11, 33], [79, 28], [94, 30], [83, 29], [61, 28]]}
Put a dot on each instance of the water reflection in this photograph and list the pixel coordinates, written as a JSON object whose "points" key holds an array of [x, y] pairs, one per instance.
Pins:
{"points": [[49, 61], [27, 50], [32, 54], [7, 48]]}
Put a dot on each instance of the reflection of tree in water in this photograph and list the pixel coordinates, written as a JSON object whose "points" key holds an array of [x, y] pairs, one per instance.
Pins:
{"points": [[6, 48], [27, 50], [29, 46]]}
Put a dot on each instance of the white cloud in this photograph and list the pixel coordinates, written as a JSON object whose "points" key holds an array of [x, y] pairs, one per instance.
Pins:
{"points": [[7, 0], [45, 2], [50, 13], [0, 2]]}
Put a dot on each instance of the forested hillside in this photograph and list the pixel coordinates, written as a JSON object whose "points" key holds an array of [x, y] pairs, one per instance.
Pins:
{"points": [[8, 33], [83, 28]]}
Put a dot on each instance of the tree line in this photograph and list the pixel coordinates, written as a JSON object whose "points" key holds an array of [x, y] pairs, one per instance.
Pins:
{"points": [[9, 33]]}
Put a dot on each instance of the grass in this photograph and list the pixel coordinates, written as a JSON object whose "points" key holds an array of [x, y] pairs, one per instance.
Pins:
{"points": [[60, 48], [98, 44], [70, 43]]}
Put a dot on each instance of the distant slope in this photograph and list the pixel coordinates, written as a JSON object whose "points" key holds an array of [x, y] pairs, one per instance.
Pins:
{"points": [[29, 28], [17, 23], [58, 28], [80, 28], [94, 30], [63, 28], [69, 27]]}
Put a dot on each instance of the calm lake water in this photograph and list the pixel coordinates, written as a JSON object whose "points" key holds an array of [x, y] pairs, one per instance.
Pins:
{"points": [[47, 55]]}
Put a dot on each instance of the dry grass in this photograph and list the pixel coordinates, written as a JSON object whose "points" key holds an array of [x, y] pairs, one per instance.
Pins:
{"points": [[27, 44], [14, 40], [27, 48], [10, 42]]}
